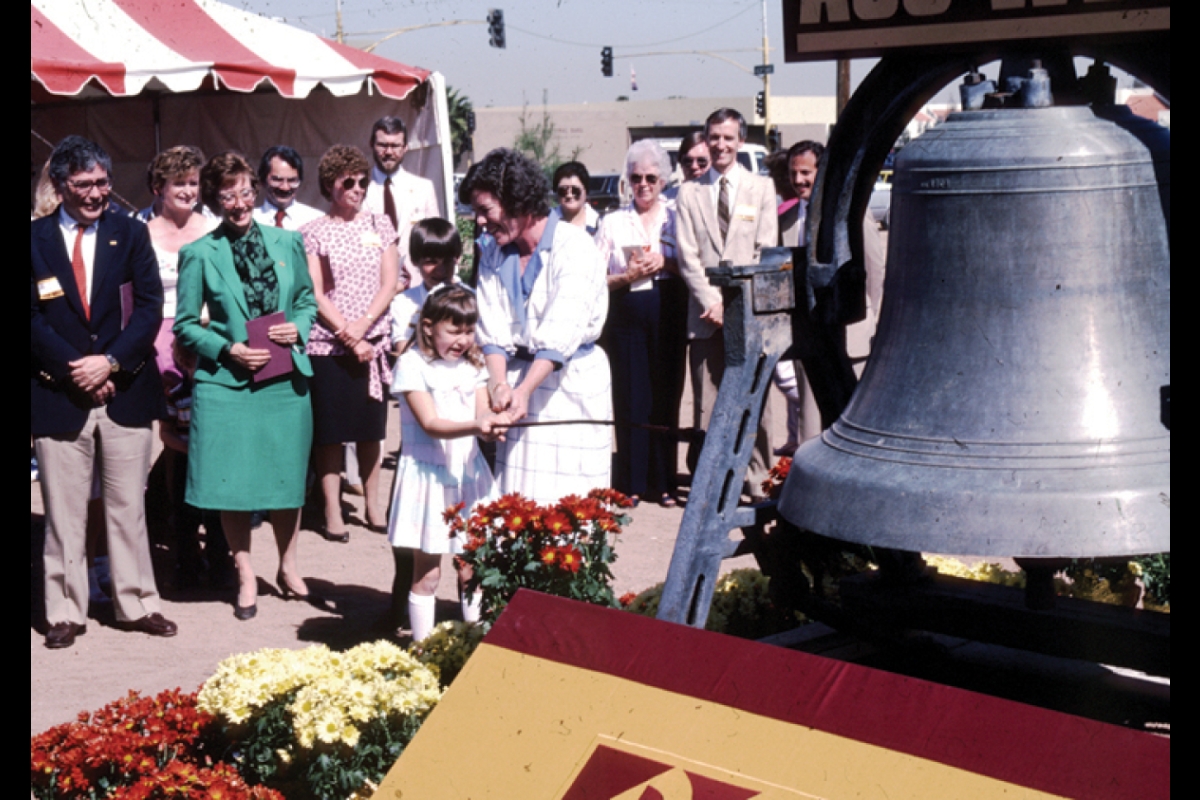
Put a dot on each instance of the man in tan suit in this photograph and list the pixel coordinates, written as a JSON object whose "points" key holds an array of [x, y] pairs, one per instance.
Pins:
{"points": [[728, 214]]}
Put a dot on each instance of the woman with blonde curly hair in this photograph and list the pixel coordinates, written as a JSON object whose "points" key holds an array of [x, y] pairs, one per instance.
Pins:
{"points": [[354, 263], [174, 178]]}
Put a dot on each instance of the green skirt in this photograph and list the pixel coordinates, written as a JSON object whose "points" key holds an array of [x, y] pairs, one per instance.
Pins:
{"points": [[248, 448]]}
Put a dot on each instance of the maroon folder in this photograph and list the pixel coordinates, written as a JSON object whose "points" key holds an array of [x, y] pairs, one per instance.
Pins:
{"points": [[281, 357]]}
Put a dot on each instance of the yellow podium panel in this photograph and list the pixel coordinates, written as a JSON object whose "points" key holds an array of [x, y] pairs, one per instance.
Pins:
{"points": [[567, 701]]}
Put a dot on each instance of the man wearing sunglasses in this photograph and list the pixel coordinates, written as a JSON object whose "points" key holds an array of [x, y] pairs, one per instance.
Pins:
{"points": [[404, 197], [281, 171], [727, 214], [96, 303]]}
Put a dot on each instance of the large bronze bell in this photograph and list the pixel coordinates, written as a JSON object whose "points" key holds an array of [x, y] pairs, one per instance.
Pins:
{"points": [[1016, 400]]}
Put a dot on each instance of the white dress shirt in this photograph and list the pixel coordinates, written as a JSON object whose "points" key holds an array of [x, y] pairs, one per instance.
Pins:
{"points": [[295, 215]]}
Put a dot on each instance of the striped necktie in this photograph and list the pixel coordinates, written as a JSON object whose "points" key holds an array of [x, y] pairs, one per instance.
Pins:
{"points": [[723, 215]]}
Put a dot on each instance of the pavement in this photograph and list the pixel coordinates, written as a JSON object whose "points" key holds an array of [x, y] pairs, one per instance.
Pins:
{"points": [[105, 663]]}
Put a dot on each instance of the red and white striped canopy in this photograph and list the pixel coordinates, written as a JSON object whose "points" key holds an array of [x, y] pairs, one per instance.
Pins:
{"points": [[124, 45]]}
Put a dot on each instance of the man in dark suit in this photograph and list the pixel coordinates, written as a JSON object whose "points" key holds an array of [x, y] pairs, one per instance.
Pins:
{"points": [[94, 390]]}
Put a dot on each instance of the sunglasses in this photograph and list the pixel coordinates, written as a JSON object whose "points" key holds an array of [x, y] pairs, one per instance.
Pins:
{"points": [[349, 183], [649, 180], [568, 191], [699, 162]]}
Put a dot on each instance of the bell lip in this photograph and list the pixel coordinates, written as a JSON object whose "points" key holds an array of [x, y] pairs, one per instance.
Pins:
{"points": [[1030, 513]]}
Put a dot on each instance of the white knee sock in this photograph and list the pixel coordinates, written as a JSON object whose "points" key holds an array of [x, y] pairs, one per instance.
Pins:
{"points": [[471, 607], [420, 614]]}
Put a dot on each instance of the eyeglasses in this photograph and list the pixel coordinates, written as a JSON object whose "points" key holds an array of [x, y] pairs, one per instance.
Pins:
{"points": [[688, 161], [383, 146], [85, 187], [569, 191], [277, 181], [649, 180], [349, 183], [229, 198]]}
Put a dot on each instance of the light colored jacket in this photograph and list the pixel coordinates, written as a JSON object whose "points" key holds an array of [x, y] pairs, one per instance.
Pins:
{"points": [[752, 226]]}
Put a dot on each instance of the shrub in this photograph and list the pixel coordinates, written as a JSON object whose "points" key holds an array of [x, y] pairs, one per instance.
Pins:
{"points": [[446, 649], [562, 550], [143, 747], [741, 606], [318, 723]]}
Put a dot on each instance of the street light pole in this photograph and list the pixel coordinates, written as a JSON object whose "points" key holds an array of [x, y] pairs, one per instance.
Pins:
{"points": [[766, 78]]}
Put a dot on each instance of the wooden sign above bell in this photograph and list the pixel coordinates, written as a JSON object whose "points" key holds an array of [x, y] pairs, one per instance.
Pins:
{"points": [[817, 30]]}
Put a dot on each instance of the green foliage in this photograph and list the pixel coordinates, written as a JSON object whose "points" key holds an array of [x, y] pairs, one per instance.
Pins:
{"points": [[459, 106], [466, 231], [1156, 573], [539, 141]]}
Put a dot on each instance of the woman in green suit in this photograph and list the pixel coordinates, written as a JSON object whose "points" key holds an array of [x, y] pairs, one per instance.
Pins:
{"points": [[250, 439]]}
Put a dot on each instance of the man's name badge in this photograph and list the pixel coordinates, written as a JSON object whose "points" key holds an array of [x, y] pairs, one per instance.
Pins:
{"points": [[748, 213], [49, 288]]}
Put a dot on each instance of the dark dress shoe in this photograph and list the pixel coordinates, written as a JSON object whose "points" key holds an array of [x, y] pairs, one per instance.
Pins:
{"points": [[312, 598], [62, 634], [244, 613], [330, 536], [152, 624]]}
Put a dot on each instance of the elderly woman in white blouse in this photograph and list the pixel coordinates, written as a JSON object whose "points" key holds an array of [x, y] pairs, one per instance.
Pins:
{"points": [[637, 244], [542, 303]]}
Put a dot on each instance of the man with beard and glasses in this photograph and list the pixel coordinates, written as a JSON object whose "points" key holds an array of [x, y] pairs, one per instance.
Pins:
{"points": [[405, 198]]}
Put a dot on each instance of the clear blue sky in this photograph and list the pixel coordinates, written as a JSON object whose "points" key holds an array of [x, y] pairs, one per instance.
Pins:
{"points": [[554, 46]]}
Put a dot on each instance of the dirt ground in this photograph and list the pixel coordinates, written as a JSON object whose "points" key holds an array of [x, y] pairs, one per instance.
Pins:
{"points": [[106, 663]]}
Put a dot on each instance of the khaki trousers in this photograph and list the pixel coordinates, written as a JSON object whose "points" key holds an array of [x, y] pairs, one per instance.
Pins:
{"points": [[122, 457], [706, 361]]}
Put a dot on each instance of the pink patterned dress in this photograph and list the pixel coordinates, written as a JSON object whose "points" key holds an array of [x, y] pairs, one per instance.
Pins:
{"points": [[348, 396]]}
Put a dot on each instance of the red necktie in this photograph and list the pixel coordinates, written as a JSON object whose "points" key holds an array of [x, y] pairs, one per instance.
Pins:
{"points": [[80, 270], [389, 203], [280, 215]]}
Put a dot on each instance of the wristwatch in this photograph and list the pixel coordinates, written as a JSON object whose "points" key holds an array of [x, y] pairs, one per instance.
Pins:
{"points": [[114, 366]]}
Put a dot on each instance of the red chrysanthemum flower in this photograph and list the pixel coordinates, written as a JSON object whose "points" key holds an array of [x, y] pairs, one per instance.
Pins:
{"points": [[570, 559]]}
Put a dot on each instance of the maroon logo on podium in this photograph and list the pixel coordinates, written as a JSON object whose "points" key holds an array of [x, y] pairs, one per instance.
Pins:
{"points": [[610, 773]]}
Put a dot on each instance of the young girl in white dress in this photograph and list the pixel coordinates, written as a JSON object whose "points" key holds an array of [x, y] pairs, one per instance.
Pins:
{"points": [[444, 387]]}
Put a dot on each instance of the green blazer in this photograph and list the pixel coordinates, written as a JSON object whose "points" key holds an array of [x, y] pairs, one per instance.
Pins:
{"points": [[207, 277]]}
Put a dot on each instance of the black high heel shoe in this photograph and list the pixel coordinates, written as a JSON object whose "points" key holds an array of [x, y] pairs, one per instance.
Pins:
{"points": [[244, 613], [310, 597], [331, 536]]}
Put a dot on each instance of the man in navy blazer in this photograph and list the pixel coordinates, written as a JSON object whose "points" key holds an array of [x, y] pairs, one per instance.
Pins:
{"points": [[94, 390]]}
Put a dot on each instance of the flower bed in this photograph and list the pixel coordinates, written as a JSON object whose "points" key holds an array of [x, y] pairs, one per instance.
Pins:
{"points": [[137, 747], [563, 549]]}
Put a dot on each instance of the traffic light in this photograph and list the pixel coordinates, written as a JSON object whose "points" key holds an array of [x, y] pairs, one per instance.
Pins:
{"points": [[495, 20], [760, 104], [606, 61], [470, 122]]}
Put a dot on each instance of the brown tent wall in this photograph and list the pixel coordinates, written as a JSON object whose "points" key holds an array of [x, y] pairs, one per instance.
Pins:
{"points": [[249, 123]]}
